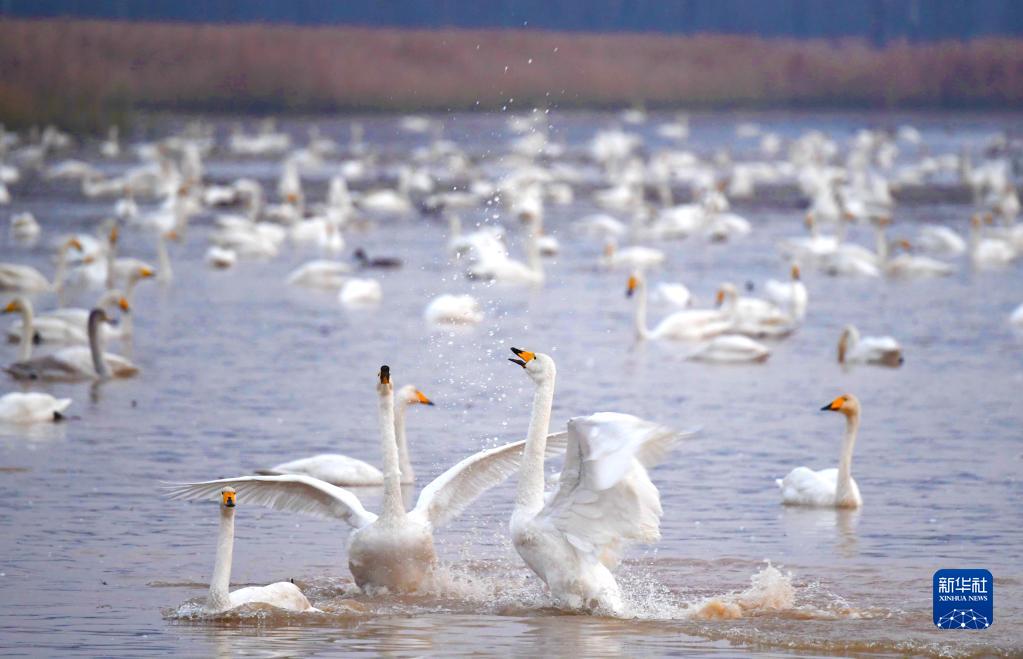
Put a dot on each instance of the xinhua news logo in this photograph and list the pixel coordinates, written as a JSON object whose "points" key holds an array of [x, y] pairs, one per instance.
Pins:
{"points": [[964, 599]]}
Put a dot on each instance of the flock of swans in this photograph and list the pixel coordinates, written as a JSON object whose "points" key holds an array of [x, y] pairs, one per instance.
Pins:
{"points": [[573, 536]]}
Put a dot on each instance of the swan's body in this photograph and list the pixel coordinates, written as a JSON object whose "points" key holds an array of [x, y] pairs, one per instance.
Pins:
{"points": [[1016, 318], [320, 273], [828, 488], [220, 258], [66, 325], [32, 407], [753, 316], [358, 292], [283, 594], [25, 278], [395, 549], [573, 539], [789, 296], [687, 325], [77, 362], [677, 295], [880, 350], [501, 268], [346, 471], [941, 240], [24, 227], [731, 348], [911, 265], [988, 252], [453, 310], [635, 257]]}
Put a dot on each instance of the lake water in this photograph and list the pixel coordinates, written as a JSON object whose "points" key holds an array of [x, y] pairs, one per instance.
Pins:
{"points": [[241, 371]]}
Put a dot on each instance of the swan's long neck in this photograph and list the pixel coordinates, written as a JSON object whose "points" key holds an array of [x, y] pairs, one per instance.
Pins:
{"points": [[404, 462], [99, 361], [529, 497], [642, 332], [881, 241], [220, 586], [394, 507], [60, 274], [844, 487], [111, 260], [28, 331], [165, 274]]}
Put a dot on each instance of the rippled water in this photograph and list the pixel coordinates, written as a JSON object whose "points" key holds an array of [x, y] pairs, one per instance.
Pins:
{"points": [[239, 371]]}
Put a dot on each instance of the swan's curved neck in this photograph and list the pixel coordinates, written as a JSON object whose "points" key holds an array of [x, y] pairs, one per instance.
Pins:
{"points": [[843, 491], [529, 497], [642, 332], [28, 330], [404, 462], [220, 585], [99, 361], [165, 274], [393, 506]]}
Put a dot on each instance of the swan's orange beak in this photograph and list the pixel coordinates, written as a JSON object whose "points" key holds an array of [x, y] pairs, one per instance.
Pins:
{"points": [[834, 405], [795, 272], [524, 357], [228, 497], [74, 243], [422, 399], [12, 306], [720, 297], [145, 273], [631, 288], [113, 235], [123, 305]]}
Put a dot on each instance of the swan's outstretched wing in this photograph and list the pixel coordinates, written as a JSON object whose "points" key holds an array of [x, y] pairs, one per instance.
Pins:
{"points": [[291, 492], [605, 498], [451, 492]]}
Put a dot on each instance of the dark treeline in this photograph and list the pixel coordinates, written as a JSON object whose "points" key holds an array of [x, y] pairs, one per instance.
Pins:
{"points": [[878, 21]]}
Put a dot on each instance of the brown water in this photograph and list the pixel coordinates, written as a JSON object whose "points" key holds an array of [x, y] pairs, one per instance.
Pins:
{"points": [[240, 371]]}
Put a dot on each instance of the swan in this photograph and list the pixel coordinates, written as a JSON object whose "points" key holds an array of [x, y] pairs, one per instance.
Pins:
{"points": [[220, 258], [394, 550], [941, 240], [32, 407], [828, 488], [487, 242], [675, 294], [359, 292], [791, 296], [633, 257], [881, 350], [453, 310], [1017, 316], [77, 362], [509, 271], [911, 265], [283, 594], [24, 227], [343, 470], [320, 273], [16, 277], [62, 325], [814, 247], [690, 324], [731, 348], [604, 499], [724, 226], [753, 316], [988, 252]]}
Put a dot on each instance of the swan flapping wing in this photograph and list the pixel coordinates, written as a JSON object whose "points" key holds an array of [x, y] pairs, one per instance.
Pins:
{"points": [[290, 492], [605, 497], [451, 492]]}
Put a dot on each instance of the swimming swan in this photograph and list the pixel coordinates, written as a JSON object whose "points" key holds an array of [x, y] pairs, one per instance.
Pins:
{"points": [[686, 325], [343, 470], [881, 350], [283, 594], [63, 325], [828, 488], [31, 407], [573, 539], [395, 549]]}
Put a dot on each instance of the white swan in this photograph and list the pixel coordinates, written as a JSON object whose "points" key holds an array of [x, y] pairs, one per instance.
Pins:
{"points": [[633, 257], [828, 488], [283, 594], [24, 227], [395, 549], [220, 258], [573, 539], [790, 296], [17, 277], [67, 325], [753, 316], [911, 265], [881, 350], [346, 471], [1017, 316], [453, 310], [731, 348], [77, 362], [320, 273], [675, 294], [360, 292], [686, 325], [988, 252], [503, 269], [941, 240], [32, 407]]}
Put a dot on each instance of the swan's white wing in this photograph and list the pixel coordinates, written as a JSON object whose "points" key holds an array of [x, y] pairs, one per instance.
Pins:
{"points": [[291, 492], [451, 492], [605, 497]]}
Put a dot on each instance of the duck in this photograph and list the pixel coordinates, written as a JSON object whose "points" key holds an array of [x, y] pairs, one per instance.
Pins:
{"points": [[379, 262], [32, 407], [828, 488], [345, 471], [282, 595], [393, 551], [878, 350], [77, 362]]}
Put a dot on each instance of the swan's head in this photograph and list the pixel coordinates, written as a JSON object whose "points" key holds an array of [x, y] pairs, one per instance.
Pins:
{"points": [[114, 235], [847, 404], [808, 220], [173, 235], [537, 365], [16, 305], [74, 242], [412, 396], [726, 292], [849, 335], [609, 249], [385, 380], [145, 272], [123, 304], [905, 245], [634, 282], [227, 497], [795, 272]]}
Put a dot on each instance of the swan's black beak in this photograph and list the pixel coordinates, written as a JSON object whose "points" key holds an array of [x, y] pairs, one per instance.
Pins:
{"points": [[826, 408], [229, 503], [385, 374]]}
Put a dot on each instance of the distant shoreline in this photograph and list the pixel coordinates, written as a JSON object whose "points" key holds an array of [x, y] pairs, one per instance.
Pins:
{"points": [[85, 75]]}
